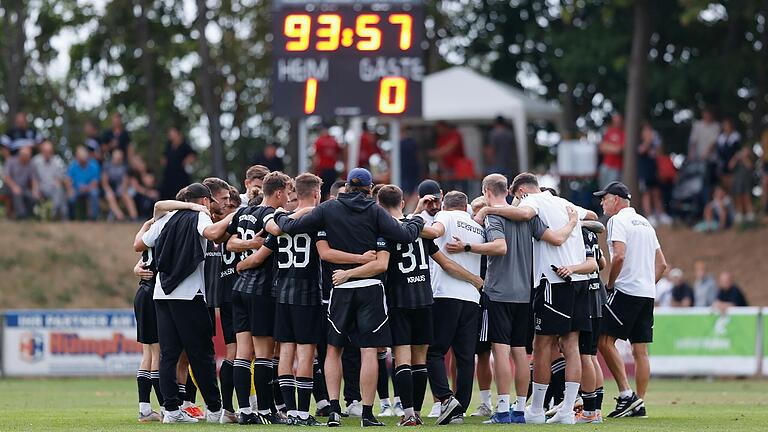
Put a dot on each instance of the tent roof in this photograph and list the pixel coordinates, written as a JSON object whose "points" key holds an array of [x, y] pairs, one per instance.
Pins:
{"points": [[460, 93]]}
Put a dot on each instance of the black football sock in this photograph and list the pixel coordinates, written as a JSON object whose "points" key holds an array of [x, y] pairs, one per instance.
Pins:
{"points": [[335, 406], [599, 398], [556, 383], [182, 392], [262, 377], [383, 384], [304, 390], [590, 401], [144, 382], [280, 402], [191, 389], [404, 382], [287, 385], [419, 374], [227, 385], [530, 381], [319, 390], [241, 375], [368, 412], [156, 385]]}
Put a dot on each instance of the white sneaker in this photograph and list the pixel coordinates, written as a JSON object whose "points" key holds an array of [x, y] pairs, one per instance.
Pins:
{"points": [[227, 417], [552, 411], [483, 411], [564, 416], [214, 416], [355, 409], [398, 409], [178, 416], [435, 411], [386, 411], [534, 418]]}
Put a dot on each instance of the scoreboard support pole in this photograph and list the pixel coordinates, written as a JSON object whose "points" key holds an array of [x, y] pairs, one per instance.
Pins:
{"points": [[303, 143], [353, 146], [394, 163]]}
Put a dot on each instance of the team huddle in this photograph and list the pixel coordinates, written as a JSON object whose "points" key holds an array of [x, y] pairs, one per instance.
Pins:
{"points": [[312, 294]]}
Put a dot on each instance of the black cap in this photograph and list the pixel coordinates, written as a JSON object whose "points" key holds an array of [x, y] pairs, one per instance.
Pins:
{"points": [[615, 188], [429, 187], [198, 190]]}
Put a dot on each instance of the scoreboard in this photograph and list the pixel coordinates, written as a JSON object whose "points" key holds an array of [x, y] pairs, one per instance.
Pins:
{"points": [[347, 58]]}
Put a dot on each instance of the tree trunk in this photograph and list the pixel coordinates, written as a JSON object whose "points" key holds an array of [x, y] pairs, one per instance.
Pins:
{"points": [[205, 88], [13, 55], [150, 91], [761, 108], [636, 92]]}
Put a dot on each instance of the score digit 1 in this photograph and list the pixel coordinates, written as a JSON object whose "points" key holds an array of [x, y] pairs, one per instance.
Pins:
{"points": [[310, 96], [392, 95]]}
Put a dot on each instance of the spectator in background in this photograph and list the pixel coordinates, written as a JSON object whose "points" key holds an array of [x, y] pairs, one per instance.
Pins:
{"points": [[20, 135], [718, 213], [145, 193], [177, 158], [742, 166], [116, 137], [501, 152], [51, 174], [115, 183], [327, 153], [681, 292], [368, 147], [728, 145], [92, 139], [21, 180], [84, 175], [728, 294], [449, 148], [612, 151], [764, 166], [664, 290], [704, 134], [704, 286], [409, 167], [648, 176], [269, 158]]}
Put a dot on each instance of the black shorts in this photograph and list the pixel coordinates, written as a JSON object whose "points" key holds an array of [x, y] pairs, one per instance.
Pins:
{"points": [[628, 317], [253, 313], [561, 308], [483, 345], [359, 315], [588, 340], [508, 323], [299, 324], [411, 326], [227, 322], [146, 319]]}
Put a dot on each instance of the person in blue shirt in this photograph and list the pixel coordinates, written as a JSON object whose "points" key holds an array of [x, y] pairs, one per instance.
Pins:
{"points": [[84, 174]]}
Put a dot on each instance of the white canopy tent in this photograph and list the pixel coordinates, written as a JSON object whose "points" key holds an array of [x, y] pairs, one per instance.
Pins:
{"points": [[461, 95]]}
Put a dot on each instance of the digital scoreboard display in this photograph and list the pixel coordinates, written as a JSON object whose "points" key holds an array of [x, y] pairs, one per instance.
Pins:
{"points": [[347, 58]]}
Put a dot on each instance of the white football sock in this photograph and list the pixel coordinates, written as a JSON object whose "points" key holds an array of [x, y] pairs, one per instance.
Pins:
{"points": [[539, 392], [571, 392], [520, 405], [145, 408], [625, 393], [485, 397], [503, 405]]}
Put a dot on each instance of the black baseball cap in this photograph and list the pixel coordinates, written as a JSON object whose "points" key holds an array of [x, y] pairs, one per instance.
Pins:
{"points": [[199, 190], [359, 177], [429, 187], [615, 188]]}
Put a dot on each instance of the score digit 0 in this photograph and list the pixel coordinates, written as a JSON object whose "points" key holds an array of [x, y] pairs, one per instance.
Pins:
{"points": [[392, 95]]}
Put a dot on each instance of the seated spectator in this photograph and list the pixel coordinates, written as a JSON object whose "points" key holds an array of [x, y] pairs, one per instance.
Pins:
{"points": [[728, 294], [114, 182], [51, 173], [144, 185], [718, 213], [704, 286], [681, 292], [742, 166], [648, 176], [21, 180], [664, 291], [84, 174], [20, 135]]}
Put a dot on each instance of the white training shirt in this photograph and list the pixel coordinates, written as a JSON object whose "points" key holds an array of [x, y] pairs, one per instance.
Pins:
{"points": [[638, 274], [194, 284], [459, 224], [554, 213]]}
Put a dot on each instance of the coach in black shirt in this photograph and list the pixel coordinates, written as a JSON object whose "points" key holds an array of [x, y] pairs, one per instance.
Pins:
{"points": [[355, 224]]}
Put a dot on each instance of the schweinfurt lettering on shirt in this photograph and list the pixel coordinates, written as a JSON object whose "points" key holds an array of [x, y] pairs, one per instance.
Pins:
{"points": [[468, 227]]}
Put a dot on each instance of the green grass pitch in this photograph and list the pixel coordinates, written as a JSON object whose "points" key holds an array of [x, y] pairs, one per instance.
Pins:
{"points": [[110, 405]]}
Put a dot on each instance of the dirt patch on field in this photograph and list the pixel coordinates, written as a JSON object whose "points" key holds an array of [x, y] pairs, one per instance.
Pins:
{"points": [[89, 265]]}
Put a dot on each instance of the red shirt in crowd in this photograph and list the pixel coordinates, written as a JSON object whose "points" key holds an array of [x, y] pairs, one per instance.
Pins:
{"points": [[327, 152], [443, 140], [368, 148], [614, 136]]}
